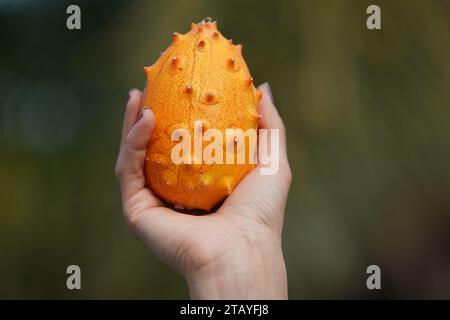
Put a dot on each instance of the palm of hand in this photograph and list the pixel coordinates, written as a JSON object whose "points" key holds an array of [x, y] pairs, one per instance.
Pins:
{"points": [[189, 243]]}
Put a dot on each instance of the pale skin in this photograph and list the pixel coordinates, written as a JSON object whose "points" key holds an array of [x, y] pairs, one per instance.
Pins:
{"points": [[233, 253]]}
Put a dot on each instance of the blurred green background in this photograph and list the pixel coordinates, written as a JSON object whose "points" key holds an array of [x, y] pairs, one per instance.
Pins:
{"points": [[367, 116]]}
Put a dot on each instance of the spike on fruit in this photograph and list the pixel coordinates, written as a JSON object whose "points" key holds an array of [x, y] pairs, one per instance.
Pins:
{"points": [[250, 82], [176, 37], [147, 69], [177, 63], [257, 116], [232, 65], [201, 45], [188, 89], [239, 47], [206, 124], [258, 95], [223, 98], [210, 98], [215, 35], [207, 20], [208, 23]]}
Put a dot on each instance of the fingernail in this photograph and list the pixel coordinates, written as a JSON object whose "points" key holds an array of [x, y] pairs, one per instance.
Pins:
{"points": [[142, 112], [131, 92], [268, 90]]}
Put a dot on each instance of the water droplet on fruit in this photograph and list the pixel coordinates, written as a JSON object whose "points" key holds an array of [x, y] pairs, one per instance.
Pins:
{"points": [[206, 180], [168, 178], [226, 182]]}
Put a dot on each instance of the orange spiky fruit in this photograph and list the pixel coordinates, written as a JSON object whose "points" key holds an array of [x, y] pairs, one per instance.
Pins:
{"points": [[203, 77]]}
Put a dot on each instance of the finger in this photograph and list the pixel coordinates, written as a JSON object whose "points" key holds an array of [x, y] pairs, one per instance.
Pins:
{"points": [[133, 151], [271, 121], [130, 165], [132, 111], [137, 138]]}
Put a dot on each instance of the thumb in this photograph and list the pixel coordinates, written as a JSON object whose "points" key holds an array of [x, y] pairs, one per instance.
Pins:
{"points": [[266, 191], [272, 136]]}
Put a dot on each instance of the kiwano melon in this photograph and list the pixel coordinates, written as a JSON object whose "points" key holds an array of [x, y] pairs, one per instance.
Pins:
{"points": [[201, 76]]}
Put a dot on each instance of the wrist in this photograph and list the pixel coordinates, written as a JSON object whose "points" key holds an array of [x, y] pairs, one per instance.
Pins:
{"points": [[253, 270]]}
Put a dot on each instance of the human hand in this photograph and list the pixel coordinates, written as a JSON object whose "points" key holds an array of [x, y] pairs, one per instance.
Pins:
{"points": [[233, 253]]}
